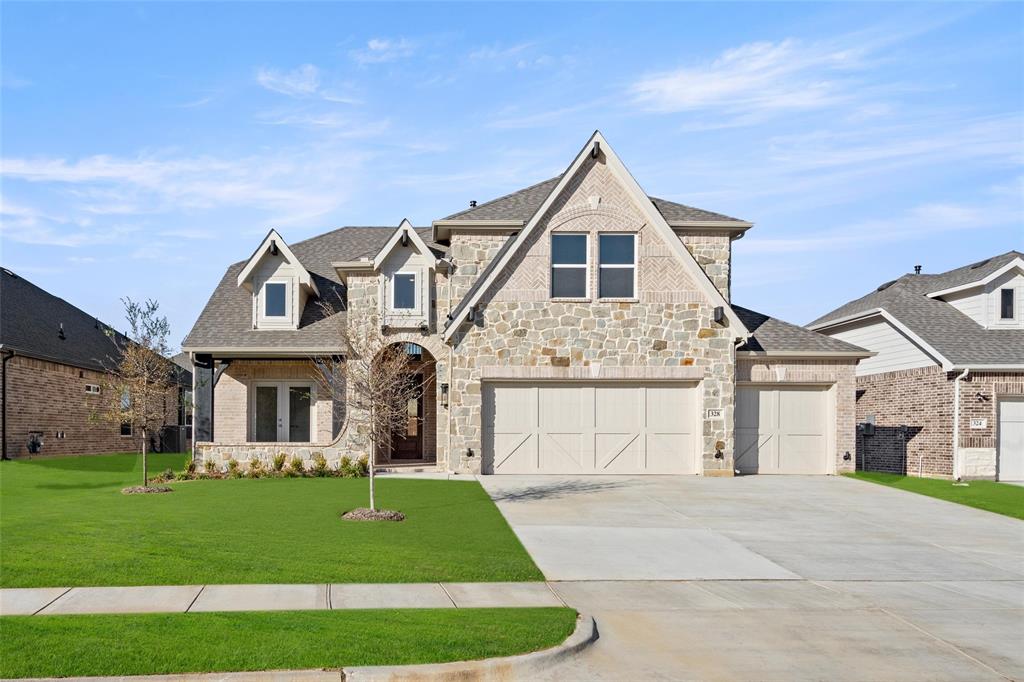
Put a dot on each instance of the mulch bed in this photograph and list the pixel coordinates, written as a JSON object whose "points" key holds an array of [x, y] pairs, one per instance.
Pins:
{"points": [[145, 490], [366, 514]]}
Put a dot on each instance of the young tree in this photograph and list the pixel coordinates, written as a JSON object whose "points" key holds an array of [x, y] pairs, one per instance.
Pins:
{"points": [[140, 376], [376, 380]]}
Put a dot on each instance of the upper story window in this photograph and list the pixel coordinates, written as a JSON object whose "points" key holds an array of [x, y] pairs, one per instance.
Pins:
{"points": [[569, 266], [403, 291], [617, 265], [275, 299], [1006, 304]]}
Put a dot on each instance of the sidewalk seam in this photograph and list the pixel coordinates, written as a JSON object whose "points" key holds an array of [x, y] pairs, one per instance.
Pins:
{"points": [[448, 594], [36, 613], [193, 602]]}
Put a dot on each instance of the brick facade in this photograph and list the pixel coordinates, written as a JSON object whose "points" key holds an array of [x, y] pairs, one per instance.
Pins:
{"points": [[49, 398]]}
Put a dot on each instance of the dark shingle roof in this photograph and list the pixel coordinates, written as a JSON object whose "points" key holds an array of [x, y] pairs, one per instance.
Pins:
{"points": [[956, 336], [521, 205], [226, 321], [31, 320], [769, 335]]}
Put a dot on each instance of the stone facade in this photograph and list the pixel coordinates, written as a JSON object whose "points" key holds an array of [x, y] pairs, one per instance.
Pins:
{"points": [[837, 374], [50, 399], [921, 401]]}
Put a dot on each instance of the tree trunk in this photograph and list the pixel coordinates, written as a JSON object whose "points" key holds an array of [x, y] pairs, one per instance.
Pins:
{"points": [[145, 469]]}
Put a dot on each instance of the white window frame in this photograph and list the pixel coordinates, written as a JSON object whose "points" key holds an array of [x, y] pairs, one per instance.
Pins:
{"points": [[282, 403], [416, 308], [569, 266], [276, 321], [1013, 304], [92, 389], [618, 266]]}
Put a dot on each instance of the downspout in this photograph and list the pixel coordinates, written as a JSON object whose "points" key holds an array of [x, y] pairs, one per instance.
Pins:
{"points": [[8, 354], [956, 423]]}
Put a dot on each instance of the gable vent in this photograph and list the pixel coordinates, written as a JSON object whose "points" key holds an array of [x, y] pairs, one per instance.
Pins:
{"points": [[885, 286]]}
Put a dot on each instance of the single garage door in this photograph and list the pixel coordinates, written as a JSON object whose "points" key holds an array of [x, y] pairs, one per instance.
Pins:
{"points": [[589, 428], [781, 430], [1011, 440]]}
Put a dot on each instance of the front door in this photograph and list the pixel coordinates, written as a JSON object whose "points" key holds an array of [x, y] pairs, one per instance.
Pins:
{"points": [[408, 442], [283, 413]]}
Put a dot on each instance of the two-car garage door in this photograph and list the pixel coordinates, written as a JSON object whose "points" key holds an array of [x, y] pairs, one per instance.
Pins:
{"points": [[590, 428], [782, 430]]}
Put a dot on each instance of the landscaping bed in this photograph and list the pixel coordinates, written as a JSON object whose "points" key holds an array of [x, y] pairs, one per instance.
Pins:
{"points": [[141, 644], [65, 523], [1001, 498]]}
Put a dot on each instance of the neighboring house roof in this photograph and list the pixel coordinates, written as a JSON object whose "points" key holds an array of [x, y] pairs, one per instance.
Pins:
{"points": [[955, 337], [31, 320], [595, 145], [523, 204], [226, 321], [772, 336]]}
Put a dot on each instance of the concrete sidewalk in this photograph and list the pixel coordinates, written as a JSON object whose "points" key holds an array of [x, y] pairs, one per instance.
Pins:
{"points": [[46, 601]]}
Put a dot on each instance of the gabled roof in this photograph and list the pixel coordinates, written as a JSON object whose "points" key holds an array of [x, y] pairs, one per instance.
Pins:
{"points": [[595, 145], [955, 338], [405, 228], [226, 320], [977, 274], [31, 320], [522, 205], [274, 241], [770, 336]]}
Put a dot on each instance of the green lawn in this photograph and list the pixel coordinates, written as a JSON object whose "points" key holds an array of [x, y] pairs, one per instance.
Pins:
{"points": [[1001, 498], [64, 522], [60, 646]]}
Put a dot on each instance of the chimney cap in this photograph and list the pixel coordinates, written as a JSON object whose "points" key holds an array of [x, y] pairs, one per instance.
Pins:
{"points": [[917, 269], [472, 203]]}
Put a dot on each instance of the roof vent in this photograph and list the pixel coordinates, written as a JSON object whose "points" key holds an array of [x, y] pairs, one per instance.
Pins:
{"points": [[885, 286], [977, 265], [8, 272], [472, 203], [917, 269], [60, 332]]}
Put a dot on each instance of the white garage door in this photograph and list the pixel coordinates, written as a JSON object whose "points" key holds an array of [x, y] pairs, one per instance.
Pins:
{"points": [[1011, 440], [781, 430], [599, 428]]}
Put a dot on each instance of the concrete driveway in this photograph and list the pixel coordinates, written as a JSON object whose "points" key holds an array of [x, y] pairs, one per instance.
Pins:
{"points": [[775, 578]]}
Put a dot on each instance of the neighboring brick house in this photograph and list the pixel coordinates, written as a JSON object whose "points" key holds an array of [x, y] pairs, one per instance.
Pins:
{"points": [[54, 358], [575, 326], [944, 393]]}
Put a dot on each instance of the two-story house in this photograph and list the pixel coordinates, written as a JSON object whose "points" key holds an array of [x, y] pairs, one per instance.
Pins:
{"points": [[575, 326], [944, 393]]}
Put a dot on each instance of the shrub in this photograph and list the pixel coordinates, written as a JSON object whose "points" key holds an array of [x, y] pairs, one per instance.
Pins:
{"points": [[167, 475], [233, 469], [190, 467], [291, 473], [297, 465], [350, 468], [210, 466], [183, 476], [279, 460], [255, 467], [319, 465]]}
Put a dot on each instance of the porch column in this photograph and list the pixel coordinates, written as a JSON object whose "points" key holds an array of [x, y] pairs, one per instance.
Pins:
{"points": [[202, 395]]}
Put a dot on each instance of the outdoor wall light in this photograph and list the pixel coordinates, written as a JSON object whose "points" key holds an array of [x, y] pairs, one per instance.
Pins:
{"points": [[444, 396], [982, 397]]}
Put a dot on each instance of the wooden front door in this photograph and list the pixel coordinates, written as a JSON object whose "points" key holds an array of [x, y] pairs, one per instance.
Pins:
{"points": [[408, 443]]}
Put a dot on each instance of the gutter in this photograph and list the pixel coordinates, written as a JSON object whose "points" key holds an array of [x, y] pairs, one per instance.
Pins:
{"points": [[956, 423], [8, 354]]}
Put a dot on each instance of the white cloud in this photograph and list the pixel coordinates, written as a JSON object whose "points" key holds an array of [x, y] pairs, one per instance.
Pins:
{"points": [[778, 76], [380, 50], [303, 81]]}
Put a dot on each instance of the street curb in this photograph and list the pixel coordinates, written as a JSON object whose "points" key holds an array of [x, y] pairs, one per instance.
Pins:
{"points": [[523, 666]]}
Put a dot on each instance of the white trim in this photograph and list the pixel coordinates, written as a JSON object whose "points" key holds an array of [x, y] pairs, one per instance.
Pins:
{"points": [[245, 276], [415, 309], [946, 364], [1015, 263], [264, 321], [569, 266], [712, 224], [263, 351], [282, 386], [617, 266], [646, 207], [405, 227], [810, 355]]}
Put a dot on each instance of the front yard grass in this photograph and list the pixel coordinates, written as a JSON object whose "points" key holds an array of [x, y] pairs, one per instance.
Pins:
{"points": [[1001, 498], [60, 646], [64, 522]]}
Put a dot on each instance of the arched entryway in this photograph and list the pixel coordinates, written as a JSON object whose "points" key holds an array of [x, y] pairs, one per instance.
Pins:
{"points": [[416, 442]]}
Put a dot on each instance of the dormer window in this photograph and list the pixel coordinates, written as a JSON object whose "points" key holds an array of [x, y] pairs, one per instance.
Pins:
{"points": [[1006, 304], [403, 291], [275, 299]]}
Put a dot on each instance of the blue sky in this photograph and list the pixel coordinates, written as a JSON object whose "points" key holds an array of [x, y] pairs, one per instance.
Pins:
{"points": [[146, 147]]}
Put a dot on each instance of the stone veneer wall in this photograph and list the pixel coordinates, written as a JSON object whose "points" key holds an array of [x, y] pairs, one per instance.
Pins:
{"points": [[836, 372], [50, 398], [668, 324], [713, 253]]}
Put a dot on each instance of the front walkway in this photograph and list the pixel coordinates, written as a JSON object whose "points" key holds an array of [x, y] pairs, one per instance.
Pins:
{"points": [[774, 578], [198, 598]]}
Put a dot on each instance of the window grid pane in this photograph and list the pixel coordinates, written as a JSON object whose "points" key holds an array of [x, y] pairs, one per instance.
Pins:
{"points": [[1006, 304], [405, 292], [274, 305], [617, 249], [569, 249], [616, 282], [569, 282]]}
